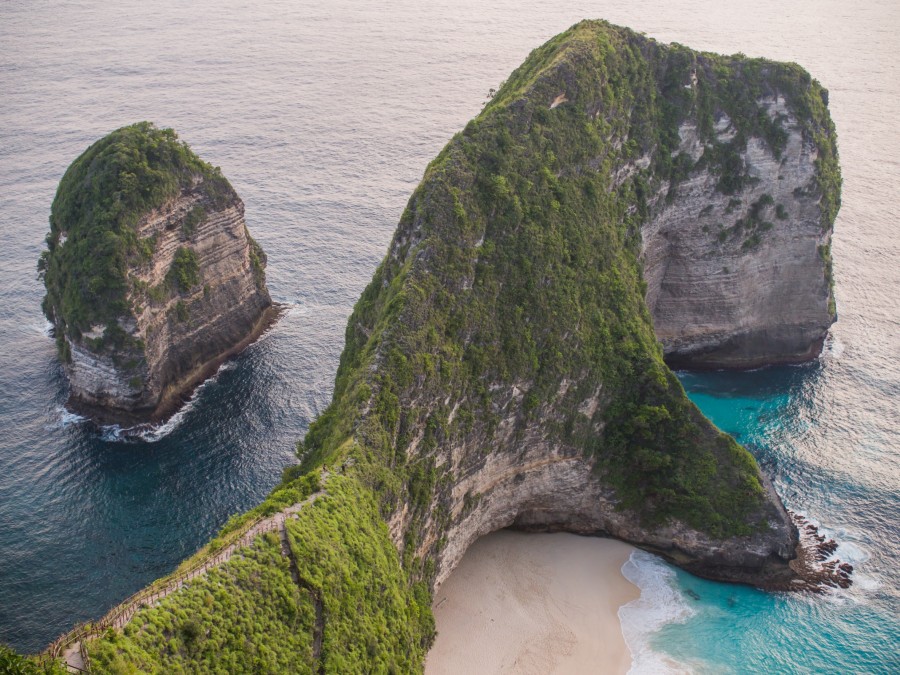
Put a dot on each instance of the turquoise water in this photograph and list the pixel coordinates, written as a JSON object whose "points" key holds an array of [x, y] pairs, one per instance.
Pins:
{"points": [[726, 628], [324, 114]]}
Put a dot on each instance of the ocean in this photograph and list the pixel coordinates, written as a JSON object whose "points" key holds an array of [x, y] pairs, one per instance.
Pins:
{"points": [[836, 472], [323, 115]]}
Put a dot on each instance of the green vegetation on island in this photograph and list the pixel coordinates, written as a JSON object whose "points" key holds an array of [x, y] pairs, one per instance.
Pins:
{"points": [[514, 266], [93, 240], [525, 269]]}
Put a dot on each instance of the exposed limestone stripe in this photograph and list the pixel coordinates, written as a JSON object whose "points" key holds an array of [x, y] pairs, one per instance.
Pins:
{"points": [[558, 101], [70, 645]]}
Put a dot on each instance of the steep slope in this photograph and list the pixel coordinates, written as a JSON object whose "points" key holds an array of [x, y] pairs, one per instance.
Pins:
{"points": [[503, 357], [736, 250], [151, 275], [502, 369]]}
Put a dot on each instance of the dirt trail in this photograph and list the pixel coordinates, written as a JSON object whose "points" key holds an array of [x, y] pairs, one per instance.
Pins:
{"points": [[68, 647]]}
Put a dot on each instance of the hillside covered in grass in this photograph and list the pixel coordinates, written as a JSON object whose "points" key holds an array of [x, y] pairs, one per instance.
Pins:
{"points": [[502, 369]]}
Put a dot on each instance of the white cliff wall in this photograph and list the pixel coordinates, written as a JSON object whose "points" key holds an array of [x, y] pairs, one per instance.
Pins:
{"points": [[727, 296]]}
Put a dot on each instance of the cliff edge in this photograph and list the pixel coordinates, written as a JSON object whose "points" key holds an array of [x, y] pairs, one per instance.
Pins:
{"points": [[736, 248], [152, 277], [501, 369]]}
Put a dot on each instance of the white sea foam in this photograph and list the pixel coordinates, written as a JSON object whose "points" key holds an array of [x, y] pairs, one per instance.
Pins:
{"points": [[660, 604], [67, 418], [45, 328], [833, 348], [851, 552], [866, 584], [151, 433]]}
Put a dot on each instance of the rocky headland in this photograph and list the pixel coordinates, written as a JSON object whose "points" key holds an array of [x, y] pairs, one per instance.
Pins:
{"points": [[502, 368], [152, 277]]}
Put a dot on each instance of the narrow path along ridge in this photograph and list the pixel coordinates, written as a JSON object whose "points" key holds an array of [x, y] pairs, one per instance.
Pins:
{"points": [[70, 646]]}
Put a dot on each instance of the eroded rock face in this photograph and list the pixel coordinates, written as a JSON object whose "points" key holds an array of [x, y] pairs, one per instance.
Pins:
{"points": [[734, 223], [152, 277], [533, 482], [186, 333], [741, 280]]}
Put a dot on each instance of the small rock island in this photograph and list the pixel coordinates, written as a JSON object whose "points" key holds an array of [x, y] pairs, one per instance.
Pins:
{"points": [[152, 276]]}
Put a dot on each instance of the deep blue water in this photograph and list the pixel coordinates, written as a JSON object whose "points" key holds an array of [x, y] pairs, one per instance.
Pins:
{"points": [[324, 114]]}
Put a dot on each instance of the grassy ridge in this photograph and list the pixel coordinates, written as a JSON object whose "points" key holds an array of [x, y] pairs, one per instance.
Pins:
{"points": [[251, 614], [246, 615]]}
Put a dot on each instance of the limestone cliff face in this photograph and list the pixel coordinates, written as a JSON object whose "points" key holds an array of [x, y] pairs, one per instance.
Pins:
{"points": [[525, 477], [742, 279], [184, 332], [515, 378], [192, 292]]}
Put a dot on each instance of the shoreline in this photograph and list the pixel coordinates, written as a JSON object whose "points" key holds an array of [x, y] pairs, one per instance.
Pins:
{"points": [[534, 603], [177, 394]]}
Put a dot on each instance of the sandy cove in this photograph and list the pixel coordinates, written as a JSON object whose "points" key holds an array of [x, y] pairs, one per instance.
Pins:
{"points": [[534, 604]]}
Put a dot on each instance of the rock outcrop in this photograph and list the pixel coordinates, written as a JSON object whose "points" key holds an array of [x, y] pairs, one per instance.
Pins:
{"points": [[548, 489], [719, 176], [148, 290], [501, 369], [742, 279]]}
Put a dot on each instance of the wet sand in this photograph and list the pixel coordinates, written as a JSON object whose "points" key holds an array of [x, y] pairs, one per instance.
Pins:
{"points": [[533, 603]]}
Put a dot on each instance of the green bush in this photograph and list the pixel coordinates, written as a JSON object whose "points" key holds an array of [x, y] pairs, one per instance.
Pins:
{"points": [[98, 204], [193, 218], [12, 663], [184, 273]]}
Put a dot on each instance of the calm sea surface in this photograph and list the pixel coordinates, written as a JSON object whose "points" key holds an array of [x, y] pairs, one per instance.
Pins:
{"points": [[324, 114]]}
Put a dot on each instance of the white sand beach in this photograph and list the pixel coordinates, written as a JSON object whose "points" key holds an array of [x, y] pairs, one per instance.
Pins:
{"points": [[533, 604]]}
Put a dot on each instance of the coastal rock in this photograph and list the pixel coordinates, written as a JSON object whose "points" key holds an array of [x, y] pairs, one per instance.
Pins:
{"points": [[742, 279], [148, 294], [814, 568], [501, 368], [548, 442], [547, 489]]}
